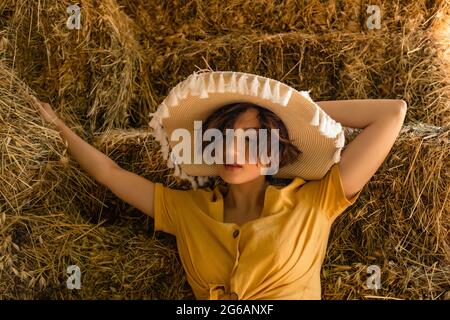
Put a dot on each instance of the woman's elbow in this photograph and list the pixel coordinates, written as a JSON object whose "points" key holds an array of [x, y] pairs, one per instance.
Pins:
{"points": [[400, 107]]}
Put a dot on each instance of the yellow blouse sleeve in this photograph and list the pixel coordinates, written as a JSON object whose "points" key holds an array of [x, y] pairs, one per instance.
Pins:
{"points": [[330, 192], [165, 210]]}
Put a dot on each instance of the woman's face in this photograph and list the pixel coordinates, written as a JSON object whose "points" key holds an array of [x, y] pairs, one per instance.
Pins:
{"points": [[247, 171]]}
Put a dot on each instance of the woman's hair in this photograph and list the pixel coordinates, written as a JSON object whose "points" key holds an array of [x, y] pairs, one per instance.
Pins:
{"points": [[226, 116]]}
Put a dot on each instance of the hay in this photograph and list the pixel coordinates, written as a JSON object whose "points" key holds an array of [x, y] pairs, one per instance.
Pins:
{"points": [[334, 67], [400, 223], [49, 219], [115, 262], [27, 158], [191, 19], [324, 46], [112, 78], [37, 171], [89, 74]]}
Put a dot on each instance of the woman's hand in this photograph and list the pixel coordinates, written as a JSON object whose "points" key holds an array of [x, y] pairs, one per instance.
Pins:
{"points": [[46, 111]]}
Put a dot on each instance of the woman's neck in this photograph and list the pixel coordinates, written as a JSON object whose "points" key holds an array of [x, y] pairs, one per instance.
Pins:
{"points": [[246, 197]]}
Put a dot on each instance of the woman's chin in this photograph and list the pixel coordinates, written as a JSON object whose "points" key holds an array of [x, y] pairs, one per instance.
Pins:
{"points": [[236, 176], [231, 176]]}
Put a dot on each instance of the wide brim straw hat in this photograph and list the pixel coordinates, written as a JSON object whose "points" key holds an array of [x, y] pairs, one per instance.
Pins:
{"points": [[319, 137]]}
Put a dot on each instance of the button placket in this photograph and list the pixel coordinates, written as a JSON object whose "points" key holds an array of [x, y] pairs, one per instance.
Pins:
{"points": [[236, 261], [236, 235]]}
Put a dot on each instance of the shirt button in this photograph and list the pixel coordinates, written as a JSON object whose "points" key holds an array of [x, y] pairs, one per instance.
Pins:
{"points": [[234, 296], [235, 233]]}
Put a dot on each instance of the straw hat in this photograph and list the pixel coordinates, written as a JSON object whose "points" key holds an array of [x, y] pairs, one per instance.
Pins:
{"points": [[315, 133]]}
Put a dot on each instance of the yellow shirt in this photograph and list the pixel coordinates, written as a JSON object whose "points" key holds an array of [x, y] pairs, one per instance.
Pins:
{"points": [[277, 256]]}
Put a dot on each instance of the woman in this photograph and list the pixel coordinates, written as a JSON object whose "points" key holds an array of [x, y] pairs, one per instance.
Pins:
{"points": [[251, 239]]}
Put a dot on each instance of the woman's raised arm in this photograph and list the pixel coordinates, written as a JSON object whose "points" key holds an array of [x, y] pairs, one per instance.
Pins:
{"points": [[128, 186], [381, 121]]}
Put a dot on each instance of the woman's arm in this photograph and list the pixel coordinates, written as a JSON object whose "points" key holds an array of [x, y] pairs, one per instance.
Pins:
{"points": [[381, 121], [128, 186]]}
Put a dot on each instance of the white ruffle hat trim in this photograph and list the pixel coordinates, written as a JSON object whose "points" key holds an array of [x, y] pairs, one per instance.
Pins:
{"points": [[318, 136]]}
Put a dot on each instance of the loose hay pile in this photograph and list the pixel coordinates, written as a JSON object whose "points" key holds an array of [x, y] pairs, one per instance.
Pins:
{"points": [[106, 77]]}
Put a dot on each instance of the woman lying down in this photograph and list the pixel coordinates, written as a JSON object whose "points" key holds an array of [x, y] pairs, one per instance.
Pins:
{"points": [[249, 237]]}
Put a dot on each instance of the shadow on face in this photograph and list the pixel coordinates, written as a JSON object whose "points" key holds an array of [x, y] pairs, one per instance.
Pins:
{"points": [[247, 171]]}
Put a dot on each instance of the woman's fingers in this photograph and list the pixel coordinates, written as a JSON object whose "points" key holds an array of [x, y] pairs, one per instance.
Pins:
{"points": [[35, 101], [45, 110], [38, 105]]}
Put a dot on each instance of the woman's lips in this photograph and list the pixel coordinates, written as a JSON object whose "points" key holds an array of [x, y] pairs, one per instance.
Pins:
{"points": [[232, 166]]}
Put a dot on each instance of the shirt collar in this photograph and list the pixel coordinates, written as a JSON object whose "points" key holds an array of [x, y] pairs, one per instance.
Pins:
{"points": [[271, 197]]}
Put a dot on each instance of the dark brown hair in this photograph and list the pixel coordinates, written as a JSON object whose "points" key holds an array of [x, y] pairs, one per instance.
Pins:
{"points": [[225, 117]]}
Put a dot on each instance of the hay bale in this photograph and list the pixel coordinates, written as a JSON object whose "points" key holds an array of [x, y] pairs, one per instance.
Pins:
{"points": [[30, 151], [400, 223], [193, 19], [96, 74], [136, 150], [320, 45], [115, 262], [40, 172], [334, 66]]}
